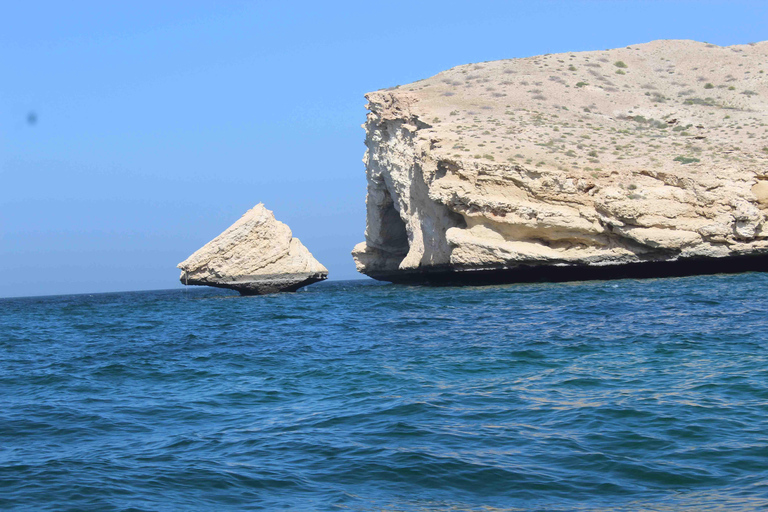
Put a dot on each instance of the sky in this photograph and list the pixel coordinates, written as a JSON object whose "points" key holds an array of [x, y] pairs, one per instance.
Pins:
{"points": [[133, 133]]}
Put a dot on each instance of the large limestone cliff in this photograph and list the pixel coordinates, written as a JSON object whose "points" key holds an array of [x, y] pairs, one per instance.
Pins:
{"points": [[654, 154], [255, 255]]}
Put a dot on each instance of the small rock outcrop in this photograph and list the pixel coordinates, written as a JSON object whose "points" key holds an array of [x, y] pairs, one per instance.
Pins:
{"points": [[255, 255], [645, 160]]}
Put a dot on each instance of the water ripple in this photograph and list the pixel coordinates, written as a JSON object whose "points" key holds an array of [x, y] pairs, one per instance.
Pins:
{"points": [[621, 395]]}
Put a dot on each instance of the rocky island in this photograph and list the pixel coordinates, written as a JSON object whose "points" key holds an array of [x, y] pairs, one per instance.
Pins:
{"points": [[648, 160], [255, 255]]}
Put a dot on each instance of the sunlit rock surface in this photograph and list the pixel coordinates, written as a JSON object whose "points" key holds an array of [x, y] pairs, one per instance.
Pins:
{"points": [[255, 255], [645, 160]]}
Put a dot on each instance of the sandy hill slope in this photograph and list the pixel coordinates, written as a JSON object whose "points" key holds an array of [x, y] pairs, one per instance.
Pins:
{"points": [[653, 152]]}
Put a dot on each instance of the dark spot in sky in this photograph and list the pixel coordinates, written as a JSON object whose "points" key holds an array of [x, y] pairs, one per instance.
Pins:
{"points": [[32, 118]]}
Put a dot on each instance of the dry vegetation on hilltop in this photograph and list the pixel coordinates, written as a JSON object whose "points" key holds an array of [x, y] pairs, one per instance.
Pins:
{"points": [[659, 105]]}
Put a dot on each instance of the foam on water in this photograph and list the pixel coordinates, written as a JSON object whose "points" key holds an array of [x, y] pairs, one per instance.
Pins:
{"points": [[360, 396]]}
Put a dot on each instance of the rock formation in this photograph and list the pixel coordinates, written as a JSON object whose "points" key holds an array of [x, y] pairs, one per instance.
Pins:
{"points": [[255, 255], [645, 160]]}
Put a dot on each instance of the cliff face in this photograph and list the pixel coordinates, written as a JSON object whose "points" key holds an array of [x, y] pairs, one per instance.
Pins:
{"points": [[650, 153], [255, 255]]}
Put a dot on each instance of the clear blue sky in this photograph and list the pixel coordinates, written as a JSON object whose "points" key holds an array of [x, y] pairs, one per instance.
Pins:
{"points": [[160, 123]]}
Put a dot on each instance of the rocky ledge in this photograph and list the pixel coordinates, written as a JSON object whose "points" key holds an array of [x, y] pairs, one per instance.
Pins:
{"points": [[255, 255], [639, 161]]}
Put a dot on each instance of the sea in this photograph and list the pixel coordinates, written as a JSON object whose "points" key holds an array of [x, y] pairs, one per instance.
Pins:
{"points": [[365, 396]]}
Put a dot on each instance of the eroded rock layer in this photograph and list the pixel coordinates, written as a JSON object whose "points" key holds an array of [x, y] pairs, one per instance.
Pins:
{"points": [[652, 157], [255, 255]]}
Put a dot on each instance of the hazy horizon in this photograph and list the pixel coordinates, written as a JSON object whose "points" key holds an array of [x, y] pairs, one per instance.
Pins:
{"points": [[131, 136]]}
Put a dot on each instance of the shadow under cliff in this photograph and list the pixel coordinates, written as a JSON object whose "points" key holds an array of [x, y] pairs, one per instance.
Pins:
{"points": [[451, 276]]}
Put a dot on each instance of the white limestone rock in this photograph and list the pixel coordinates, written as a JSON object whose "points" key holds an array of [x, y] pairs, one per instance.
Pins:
{"points": [[255, 255], [645, 154]]}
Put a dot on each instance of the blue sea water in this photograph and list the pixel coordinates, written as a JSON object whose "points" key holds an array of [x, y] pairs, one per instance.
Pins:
{"points": [[614, 395]]}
